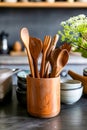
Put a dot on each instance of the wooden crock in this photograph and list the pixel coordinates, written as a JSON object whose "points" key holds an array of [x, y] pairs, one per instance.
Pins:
{"points": [[43, 96]]}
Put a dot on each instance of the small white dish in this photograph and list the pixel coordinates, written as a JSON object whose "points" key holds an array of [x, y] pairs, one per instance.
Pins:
{"points": [[71, 96]]}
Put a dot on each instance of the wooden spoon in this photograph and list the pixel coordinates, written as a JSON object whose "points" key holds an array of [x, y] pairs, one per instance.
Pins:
{"points": [[60, 62], [46, 45], [35, 49], [53, 60], [25, 38]]}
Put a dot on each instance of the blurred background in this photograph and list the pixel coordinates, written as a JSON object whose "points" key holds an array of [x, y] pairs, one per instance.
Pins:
{"points": [[39, 21]]}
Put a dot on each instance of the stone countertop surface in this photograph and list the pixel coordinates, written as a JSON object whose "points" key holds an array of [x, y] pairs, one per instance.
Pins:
{"points": [[6, 59], [14, 116], [18, 60]]}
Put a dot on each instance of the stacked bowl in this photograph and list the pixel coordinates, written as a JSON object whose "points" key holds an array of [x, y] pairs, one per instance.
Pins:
{"points": [[71, 91], [21, 86]]}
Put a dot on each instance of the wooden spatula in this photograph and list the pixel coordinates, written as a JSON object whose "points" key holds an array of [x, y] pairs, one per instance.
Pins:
{"points": [[35, 49]]}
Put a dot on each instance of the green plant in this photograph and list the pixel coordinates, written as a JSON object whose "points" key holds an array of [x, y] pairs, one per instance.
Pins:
{"points": [[75, 32]]}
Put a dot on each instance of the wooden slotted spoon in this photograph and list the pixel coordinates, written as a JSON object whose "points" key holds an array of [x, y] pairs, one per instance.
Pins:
{"points": [[35, 49], [46, 44], [25, 38]]}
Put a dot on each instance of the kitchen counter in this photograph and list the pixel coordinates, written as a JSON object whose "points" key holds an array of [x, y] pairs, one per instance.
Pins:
{"points": [[11, 60], [75, 63], [74, 58], [14, 116]]}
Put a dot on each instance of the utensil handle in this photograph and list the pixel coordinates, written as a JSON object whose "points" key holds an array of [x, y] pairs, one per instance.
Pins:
{"points": [[30, 63], [47, 70], [42, 70], [36, 69], [53, 73]]}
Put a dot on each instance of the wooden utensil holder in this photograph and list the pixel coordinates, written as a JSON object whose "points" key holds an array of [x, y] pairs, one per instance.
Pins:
{"points": [[43, 96]]}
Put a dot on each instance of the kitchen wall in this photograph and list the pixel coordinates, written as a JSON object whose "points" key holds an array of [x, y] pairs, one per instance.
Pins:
{"points": [[40, 21]]}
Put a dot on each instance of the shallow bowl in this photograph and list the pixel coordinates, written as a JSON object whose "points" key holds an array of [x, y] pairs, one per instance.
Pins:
{"points": [[71, 84], [21, 79]]}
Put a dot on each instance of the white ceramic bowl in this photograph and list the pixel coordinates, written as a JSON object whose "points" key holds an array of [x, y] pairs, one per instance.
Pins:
{"points": [[71, 96], [70, 84]]}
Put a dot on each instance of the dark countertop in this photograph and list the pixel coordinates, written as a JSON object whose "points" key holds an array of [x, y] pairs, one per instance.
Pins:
{"points": [[14, 116]]}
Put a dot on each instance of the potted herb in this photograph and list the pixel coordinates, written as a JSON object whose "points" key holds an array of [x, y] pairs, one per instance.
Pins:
{"points": [[74, 32]]}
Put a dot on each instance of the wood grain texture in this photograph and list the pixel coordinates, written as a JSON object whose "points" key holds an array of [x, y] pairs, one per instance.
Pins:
{"points": [[43, 97], [44, 4]]}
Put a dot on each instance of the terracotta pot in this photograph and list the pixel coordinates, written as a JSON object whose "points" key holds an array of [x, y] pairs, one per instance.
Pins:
{"points": [[43, 96]]}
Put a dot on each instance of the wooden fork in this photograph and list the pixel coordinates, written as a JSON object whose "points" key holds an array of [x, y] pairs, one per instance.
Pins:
{"points": [[46, 44], [50, 49]]}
